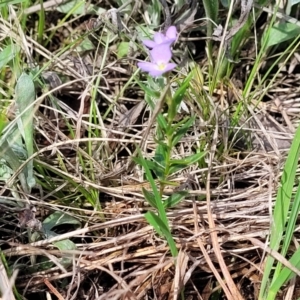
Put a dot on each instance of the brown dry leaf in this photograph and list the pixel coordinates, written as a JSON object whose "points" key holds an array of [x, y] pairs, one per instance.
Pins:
{"points": [[180, 270], [27, 219]]}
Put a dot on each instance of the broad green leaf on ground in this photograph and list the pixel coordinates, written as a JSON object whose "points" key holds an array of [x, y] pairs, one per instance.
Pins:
{"points": [[282, 32], [59, 218], [25, 96], [8, 53], [123, 49], [85, 45], [65, 245]]}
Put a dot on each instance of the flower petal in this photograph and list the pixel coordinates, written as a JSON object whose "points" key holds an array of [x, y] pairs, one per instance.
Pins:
{"points": [[159, 38], [161, 54], [148, 43], [155, 70], [171, 33], [146, 66], [169, 67]]}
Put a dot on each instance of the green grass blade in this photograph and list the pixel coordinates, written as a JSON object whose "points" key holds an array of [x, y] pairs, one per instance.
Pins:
{"points": [[282, 204], [284, 275]]}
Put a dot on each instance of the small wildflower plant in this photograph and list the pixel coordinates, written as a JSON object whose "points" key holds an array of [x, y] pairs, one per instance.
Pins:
{"points": [[168, 133], [160, 53]]}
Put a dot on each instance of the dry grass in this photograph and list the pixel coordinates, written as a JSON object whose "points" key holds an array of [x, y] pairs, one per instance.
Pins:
{"points": [[85, 135]]}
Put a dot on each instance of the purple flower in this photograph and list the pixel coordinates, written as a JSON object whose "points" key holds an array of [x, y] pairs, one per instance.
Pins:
{"points": [[160, 56], [160, 38]]}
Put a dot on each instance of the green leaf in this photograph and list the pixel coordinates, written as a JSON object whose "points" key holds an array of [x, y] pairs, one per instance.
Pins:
{"points": [[285, 275], [65, 245], [7, 153], [150, 198], [162, 230], [282, 32], [178, 96], [8, 53], [144, 163], [211, 11], [175, 168], [157, 196], [123, 49], [10, 2], [225, 3], [182, 131], [281, 211], [155, 167], [151, 219], [160, 159], [3, 122], [85, 45], [189, 159], [179, 164], [175, 198], [25, 96], [79, 7], [5, 170], [59, 218], [149, 93]]}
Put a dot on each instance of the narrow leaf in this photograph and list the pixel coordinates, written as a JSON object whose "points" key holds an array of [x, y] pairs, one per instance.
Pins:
{"points": [[179, 94], [7, 54], [149, 197], [162, 229], [285, 275], [182, 131], [281, 209], [175, 199], [25, 96], [188, 160]]}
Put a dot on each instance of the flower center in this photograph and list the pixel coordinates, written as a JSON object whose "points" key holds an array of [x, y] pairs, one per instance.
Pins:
{"points": [[161, 66]]}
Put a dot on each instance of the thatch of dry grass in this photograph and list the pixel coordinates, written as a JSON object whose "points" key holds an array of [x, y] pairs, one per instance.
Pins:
{"points": [[84, 169]]}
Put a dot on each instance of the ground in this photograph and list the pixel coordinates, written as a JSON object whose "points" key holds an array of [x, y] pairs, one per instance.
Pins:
{"points": [[90, 143]]}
